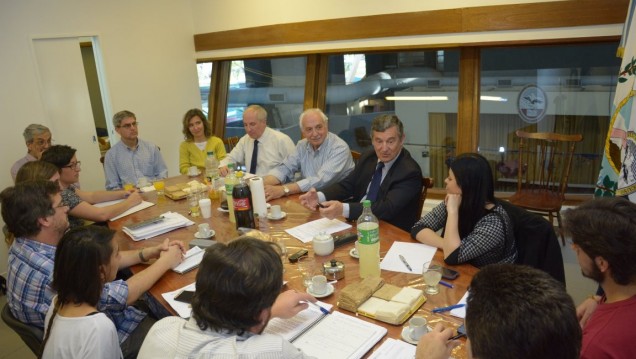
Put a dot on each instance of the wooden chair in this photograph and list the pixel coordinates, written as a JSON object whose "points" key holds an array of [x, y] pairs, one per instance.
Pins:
{"points": [[545, 160], [230, 142], [355, 155], [427, 183]]}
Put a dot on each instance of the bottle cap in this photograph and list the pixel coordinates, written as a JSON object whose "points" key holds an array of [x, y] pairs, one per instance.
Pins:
{"points": [[366, 203]]}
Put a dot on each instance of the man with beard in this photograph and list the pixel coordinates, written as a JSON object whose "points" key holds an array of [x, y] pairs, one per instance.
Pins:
{"points": [[35, 214], [602, 234], [237, 292]]}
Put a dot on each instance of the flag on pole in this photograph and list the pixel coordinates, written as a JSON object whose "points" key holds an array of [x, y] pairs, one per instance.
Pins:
{"points": [[618, 168]]}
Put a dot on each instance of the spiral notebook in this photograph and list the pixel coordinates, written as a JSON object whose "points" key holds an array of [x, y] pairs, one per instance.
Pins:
{"points": [[334, 335]]}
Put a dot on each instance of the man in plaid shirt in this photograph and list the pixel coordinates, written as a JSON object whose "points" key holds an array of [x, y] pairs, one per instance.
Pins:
{"points": [[34, 213]]}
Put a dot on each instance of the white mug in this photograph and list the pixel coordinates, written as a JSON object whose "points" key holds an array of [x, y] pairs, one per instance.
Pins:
{"points": [[276, 211], [204, 230], [319, 284], [417, 327]]}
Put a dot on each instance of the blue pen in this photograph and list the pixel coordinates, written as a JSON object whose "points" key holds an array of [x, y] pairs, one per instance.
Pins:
{"points": [[446, 284], [323, 310], [446, 309]]}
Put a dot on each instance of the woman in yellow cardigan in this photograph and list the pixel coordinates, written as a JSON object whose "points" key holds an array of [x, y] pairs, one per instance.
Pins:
{"points": [[198, 141]]}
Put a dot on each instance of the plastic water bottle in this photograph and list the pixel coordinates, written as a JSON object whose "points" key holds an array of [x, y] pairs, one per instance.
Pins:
{"points": [[211, 167], [368, 242], [230, 181]]}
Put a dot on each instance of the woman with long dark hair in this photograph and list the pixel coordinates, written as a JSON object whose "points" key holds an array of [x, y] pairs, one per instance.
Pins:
{"points": [[476, 228], [86, 258]]}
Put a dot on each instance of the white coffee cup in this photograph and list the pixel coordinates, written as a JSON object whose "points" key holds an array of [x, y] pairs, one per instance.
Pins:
{"points": [[206, 207], [204, 230], [276, 211], [193, 171], [417, 327], [319, 284]]}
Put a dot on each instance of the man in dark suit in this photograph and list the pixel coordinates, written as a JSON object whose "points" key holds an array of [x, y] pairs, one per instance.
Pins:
{"points": [[388, 176]]}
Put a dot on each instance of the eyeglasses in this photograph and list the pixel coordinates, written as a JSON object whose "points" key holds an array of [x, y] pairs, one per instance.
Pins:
{"points": [[74, 166], [61, 205], [128, 126], [42, 142]]}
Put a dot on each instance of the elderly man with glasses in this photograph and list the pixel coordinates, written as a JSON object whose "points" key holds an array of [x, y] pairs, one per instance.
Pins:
{"points": [[131, 158], [37, 139]]}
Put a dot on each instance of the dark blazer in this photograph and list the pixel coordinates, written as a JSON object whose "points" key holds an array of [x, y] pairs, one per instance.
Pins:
{"points": [[399, 193]]}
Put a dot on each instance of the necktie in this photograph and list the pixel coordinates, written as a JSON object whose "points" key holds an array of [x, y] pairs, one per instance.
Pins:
{"points": [[254, 158], [374, 188]]}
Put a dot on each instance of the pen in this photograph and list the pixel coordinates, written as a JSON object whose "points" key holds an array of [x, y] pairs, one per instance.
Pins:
{"points": [[320, 205], [456, 337], [323, 310], [446, 309], [405, 263], [446, 284]]}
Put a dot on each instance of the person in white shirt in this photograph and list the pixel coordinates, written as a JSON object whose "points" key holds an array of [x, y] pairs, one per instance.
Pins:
{"points": [[237, 292], [261, 149], [321, 157], [86, 259]]}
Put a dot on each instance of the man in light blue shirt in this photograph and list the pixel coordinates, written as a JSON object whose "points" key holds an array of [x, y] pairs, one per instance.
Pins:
{"points": [[131, 158], [321, 157]]}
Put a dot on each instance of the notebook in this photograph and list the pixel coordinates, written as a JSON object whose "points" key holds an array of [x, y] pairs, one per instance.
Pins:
{"points": [[334, 335]]}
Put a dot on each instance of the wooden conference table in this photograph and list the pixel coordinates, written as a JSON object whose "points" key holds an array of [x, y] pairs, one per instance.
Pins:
{"points": [[296, 215]]}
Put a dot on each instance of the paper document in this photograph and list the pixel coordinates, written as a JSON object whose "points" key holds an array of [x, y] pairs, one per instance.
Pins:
{"points": [[460, 312], [171, 221], [393, 348], [292, 328], [192, 259], [183, 309], [131, 210], [415, 254], [306, 232]]}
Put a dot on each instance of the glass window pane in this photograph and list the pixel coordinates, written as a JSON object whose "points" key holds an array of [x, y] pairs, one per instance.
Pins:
{"points": [[204, 70], [276, 84], [420, 87], [564, 89]]}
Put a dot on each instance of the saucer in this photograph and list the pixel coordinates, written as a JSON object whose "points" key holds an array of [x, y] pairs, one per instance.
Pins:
{"points": [[354, 253], [223, 210], [406, 334], [212, 233], [329, 291], [282, 215]]}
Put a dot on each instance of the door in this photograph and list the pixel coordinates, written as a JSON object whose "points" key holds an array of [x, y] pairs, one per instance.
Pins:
{"points": [[67, 103]]}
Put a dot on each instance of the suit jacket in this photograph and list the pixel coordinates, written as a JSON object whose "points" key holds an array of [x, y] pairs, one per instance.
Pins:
{"points": [[399, 193]]}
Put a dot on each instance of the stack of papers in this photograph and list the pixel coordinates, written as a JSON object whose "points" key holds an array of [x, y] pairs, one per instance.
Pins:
{"points": [[306, 232], [172, 221], [415, 254]]}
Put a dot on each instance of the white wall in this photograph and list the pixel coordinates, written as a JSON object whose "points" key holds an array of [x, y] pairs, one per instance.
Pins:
{"points": [[148, 54]]}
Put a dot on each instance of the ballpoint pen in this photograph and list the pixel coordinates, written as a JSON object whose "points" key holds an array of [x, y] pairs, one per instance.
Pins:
{"points": [[446, 309], [446, 284], [405, 263], [323, 310]]}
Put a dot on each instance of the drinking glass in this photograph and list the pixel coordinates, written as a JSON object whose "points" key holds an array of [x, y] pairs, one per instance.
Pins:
{"points": [[159, 184], [432, 275], [128, 186], [193, 203], [306, 270]]}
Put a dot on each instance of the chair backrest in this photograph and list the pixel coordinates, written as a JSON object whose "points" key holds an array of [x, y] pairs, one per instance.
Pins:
{"points": [[545, 160], [31, 336], [537, 243], [427, 182], [230, 142], [355, 155]]}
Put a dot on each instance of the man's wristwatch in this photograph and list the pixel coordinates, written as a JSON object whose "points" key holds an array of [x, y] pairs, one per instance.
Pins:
{"points": [[286, 190]]}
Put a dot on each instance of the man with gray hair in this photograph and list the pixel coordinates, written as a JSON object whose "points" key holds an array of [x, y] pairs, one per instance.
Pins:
{"points": [[387, 176], [321, 157], [261, 149], [131, 158], [38, 139]]}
